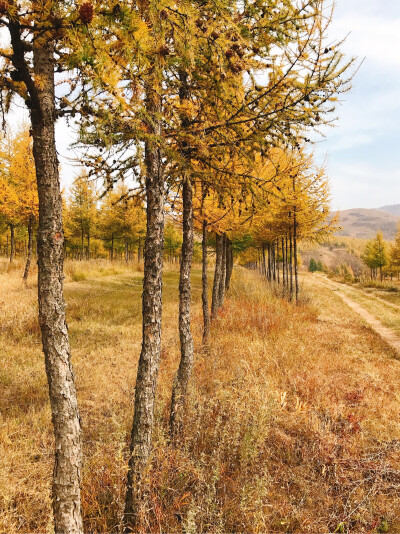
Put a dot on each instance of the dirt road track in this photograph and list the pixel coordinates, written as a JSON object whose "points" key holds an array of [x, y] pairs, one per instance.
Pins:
{"points": [[385, 333]]}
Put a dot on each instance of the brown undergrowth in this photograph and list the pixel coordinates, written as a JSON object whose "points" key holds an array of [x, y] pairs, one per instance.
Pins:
{"points": [[292, 420]]}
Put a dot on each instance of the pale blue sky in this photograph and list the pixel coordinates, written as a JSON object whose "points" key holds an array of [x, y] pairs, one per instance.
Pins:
{"points": [[363, 150]]}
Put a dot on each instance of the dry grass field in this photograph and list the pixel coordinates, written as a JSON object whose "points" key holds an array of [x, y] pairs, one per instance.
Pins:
{"points": [[293, 422]]}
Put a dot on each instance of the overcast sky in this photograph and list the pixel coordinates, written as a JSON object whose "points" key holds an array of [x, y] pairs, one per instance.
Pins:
{"points": [[363, 152], [363, 149]]}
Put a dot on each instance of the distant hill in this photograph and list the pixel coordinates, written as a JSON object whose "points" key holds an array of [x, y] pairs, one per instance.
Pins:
{"points": [[394, 209], [365, 223], [331, 257]]}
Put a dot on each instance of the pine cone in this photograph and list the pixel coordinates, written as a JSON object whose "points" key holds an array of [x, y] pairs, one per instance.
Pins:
{"points": [[86, 12], [3, 7]]}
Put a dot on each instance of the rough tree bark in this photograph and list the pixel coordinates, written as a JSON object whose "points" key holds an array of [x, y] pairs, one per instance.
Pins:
{"points": [[181, 379], [229, 263], [291, 264], [215, 304], [60, 376], [277, 261], [30, 246], [204, 279], [221, 288], [146, 382], [264, 266], [12, 242], [287, 261], [296, 274]]}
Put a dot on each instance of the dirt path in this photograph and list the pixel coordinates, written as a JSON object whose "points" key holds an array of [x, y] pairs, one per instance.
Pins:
{"points": [[386, 334]]}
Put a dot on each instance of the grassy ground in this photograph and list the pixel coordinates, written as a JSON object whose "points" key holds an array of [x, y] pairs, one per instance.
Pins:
{"points": [[293, 419], [381, 303]]}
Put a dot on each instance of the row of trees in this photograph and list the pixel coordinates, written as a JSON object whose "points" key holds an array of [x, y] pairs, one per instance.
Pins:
{"points": [[381, 258], [202, 109]]}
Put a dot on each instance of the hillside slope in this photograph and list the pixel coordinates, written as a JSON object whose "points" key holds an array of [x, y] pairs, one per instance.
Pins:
{"points": [[365, 223], [394, 209], [331, 257]]}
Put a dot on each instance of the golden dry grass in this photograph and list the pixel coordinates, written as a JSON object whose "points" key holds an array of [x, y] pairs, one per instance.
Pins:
{"points": [[292, 422]]}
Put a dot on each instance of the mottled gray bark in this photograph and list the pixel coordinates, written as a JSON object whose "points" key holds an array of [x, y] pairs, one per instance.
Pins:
{"points": [[229, 263], [221, 289], [296, 273], [204, 279], [146, 382], [291, 264], [12, 242], [30, 247], [181, 379], [50, 237], [215, 304]]}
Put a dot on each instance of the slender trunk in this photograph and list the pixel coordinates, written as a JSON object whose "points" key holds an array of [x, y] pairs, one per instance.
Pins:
{"points": [[139, 250], [146, 382], [229, 263], [204, 278], [181, 379], [287, 261], [12, 242], [277, 261], [296, 274], [264, 267], [291, 264], [60, 375], [269, 263], [273, 261], [221, 289], [283, 262], [88, 246], [126, 250], [112, 247], [30, 243], [215, 304]]}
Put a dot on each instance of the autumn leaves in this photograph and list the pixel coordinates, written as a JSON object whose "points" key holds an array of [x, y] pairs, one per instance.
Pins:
{"points": [[206, 103]]}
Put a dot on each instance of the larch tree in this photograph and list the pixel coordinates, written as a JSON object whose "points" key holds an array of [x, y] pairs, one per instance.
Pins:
{"points": [[375, 255], [82, 213], [18, 194], [33, 54]]}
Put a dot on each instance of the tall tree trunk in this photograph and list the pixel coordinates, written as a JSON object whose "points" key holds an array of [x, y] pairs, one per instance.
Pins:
{"points": [[139, 250], [30, 247], [277, 261], [126, 251], [221, 288], [204, 279], [264, 267], [112, 247], [287, 261], [60, 376], [181, 379], [273, 261], [146, 382], [291, 264], [215, 304], [229, 263], [296, 274], [82, 243], [269, 263], [88, 246], [283, 262], [12, 242]]}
